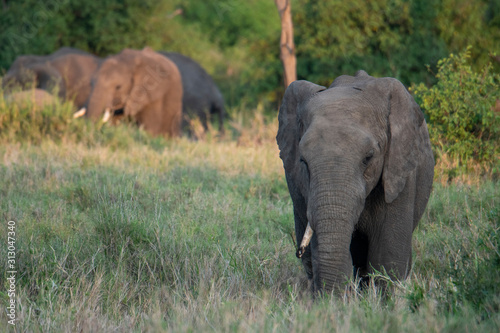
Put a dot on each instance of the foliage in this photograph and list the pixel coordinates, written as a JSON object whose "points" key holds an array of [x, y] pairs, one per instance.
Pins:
{"points": [[460, 252], [229, 23], [394, 38], [463, 121], [337, 37], [32, 125], [34, 27], [247, 34], [238, 41]]}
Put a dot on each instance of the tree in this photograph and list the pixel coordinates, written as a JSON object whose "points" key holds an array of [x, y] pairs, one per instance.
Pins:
{"points": [[287, 47], [461, 109]]}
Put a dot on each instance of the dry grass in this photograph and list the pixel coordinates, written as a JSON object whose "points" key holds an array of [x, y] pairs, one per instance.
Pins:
{"points": [[121, 232]]}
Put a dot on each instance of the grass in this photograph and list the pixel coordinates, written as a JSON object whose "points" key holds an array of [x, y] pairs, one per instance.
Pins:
{"points": [[117, 231]]}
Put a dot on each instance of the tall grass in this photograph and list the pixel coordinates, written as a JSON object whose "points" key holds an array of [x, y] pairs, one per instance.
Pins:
{"points": [[121, 232]]}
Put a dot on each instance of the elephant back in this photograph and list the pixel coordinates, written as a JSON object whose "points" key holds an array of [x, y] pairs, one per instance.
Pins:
{"points": [[201, 94]]}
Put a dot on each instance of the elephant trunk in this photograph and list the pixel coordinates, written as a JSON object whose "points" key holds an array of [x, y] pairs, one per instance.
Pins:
{"points": [[334, 207], [98, 102]]}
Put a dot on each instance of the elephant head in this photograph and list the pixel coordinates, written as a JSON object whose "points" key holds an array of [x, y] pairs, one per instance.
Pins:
{"points": [[141, 84], [29, 72], [67, 72], [49, 79], [351, 153]]}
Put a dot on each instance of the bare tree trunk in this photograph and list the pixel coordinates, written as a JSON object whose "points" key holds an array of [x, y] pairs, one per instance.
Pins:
{"points": [[287, 47]]}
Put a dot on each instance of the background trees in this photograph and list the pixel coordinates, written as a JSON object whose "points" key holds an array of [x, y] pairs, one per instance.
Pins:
{"points": [[237, 40]]}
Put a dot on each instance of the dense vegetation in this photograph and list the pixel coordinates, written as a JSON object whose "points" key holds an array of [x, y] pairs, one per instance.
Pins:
{"points": [[119, 231], [237, 41], [463, 112]]}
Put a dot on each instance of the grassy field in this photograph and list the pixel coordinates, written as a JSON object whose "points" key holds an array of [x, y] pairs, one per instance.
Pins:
{"points": [[116, 231]]}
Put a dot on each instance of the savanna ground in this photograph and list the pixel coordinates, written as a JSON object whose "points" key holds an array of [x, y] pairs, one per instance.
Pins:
{"points": [[117, 231]]}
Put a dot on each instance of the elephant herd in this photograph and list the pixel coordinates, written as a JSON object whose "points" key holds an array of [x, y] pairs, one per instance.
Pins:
{"points": [[357, 155], [160, 91]]}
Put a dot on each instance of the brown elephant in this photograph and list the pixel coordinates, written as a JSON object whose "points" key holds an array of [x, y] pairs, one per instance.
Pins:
{"points": [[140, 84], [67, 70], [359, 168]]}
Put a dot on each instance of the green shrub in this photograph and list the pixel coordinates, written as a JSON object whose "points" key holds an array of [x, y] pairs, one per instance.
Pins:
{"points": [[33, 124], [460, 108], [30, 122]]}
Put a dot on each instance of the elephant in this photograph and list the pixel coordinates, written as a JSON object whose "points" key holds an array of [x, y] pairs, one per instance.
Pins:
{"points": [[201, 95], [142, 85], [68, 70], [359, 168], [36, 98]]}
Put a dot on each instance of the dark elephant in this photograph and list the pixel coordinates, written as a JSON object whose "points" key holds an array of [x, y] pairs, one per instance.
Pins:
{"points": [[141, 84], [68, 70], [201, 95], [359, 168]]}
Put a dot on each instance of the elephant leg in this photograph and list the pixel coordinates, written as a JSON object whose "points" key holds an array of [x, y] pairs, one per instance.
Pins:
{"points": [[159, 119], [359, 254], [219, 112], [390, 248], [391, 254]]}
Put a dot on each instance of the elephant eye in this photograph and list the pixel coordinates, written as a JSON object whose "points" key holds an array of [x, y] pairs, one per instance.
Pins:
{"points": [[118, 87], [368, 157]]}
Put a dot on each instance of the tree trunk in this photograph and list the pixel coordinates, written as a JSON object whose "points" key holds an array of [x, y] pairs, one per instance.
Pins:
{"points": [[287, 47]]}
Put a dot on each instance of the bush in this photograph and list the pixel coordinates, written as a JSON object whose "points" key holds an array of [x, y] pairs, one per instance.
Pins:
{"points": [[32, 124], [460, 108], [394, 38]]}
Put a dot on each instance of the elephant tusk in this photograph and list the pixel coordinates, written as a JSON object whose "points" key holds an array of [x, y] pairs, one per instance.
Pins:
{"points": [[305, 241], [107, 115], [79, 113]]}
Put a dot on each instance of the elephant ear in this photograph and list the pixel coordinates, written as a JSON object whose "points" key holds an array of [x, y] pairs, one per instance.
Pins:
{"points": [[48, 78], [404, 121], [297, 93], [150, 80]]}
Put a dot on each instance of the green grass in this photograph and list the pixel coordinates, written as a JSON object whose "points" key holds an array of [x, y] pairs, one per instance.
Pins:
{"points": [[118, 231]]}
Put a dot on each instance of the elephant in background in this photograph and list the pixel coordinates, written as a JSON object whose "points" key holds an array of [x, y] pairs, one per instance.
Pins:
{"points": [[67, 70], [140, 84], [359, 169], [201, 95]]}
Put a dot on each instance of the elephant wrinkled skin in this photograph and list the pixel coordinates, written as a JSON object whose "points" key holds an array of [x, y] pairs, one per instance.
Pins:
{"points": [[141, 84], [359, 169]]}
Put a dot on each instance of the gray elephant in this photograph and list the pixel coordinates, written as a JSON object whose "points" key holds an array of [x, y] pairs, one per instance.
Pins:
{"points": [[141, 84], [68, 70], [201, 95], [359, 168]]}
